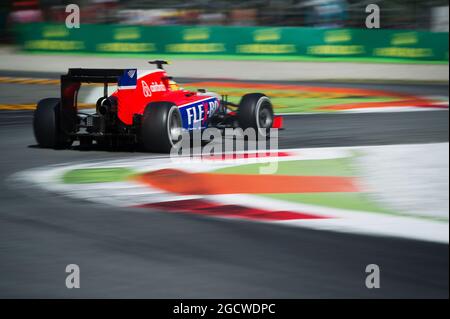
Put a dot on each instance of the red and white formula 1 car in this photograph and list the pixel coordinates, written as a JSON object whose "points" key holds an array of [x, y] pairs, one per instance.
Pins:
{"points": [[147, 108]]}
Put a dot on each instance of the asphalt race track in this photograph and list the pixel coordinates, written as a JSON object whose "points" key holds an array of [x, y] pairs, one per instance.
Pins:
{"points": [[135, 253]]}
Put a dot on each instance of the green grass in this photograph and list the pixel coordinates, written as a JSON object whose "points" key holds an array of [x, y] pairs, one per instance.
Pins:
{"points": [[347, 201], [97, 175], [357, 201], [329, 167], [311, 105], [295, 102]]}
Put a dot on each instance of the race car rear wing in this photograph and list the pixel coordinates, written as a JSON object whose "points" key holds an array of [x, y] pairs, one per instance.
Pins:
{"points": [[94, 75], [70, 85]]}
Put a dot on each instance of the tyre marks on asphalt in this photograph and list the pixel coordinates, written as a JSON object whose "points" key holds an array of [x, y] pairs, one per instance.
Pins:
{"points": [[15, 117]]}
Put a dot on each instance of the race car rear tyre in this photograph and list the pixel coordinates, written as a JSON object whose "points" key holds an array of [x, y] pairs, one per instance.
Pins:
{"points": [[161, 127], [46, 126], [256, 111]]}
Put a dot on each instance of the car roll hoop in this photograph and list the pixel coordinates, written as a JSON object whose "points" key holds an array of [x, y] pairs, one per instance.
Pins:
{"points": [[159, 63]]}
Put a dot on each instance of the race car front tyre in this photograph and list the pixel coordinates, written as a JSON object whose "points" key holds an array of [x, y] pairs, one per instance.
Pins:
{"points": [[46, 126], [256, 111], [161, 128]]}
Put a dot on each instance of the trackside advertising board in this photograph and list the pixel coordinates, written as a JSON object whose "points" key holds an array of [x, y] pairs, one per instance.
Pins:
{"points": [[262, 42]]}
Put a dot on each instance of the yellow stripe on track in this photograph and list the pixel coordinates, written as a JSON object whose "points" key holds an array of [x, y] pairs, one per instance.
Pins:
{"points": [[15, 107], [14, 80], [36, 81], [11, 107]]}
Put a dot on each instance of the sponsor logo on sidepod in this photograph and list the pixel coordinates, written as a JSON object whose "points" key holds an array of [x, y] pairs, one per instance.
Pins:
{"points": [[154, 87], [199, 112]]}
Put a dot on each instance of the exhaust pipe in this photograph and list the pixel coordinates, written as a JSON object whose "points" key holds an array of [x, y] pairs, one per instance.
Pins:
{"points": [[106, 105]]}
